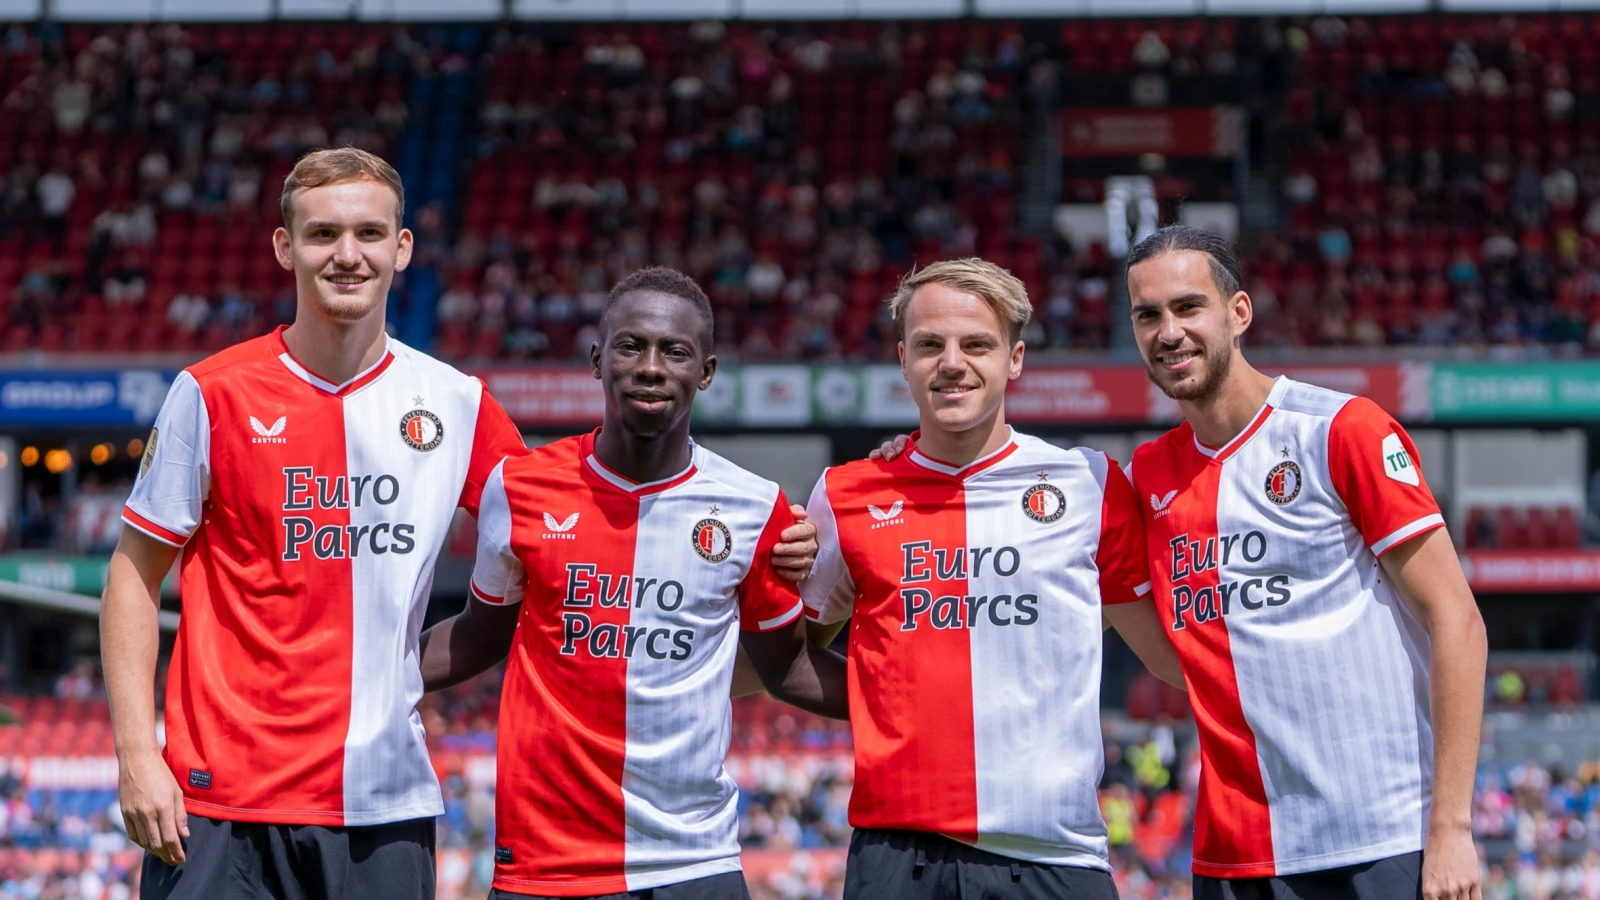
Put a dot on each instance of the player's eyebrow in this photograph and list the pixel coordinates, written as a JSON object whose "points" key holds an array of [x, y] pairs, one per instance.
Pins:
{"points": [[370, 223], [1194, 296]]}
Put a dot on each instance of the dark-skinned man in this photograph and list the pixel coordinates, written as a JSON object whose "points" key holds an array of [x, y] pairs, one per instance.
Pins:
{"points": [[633, 564]]}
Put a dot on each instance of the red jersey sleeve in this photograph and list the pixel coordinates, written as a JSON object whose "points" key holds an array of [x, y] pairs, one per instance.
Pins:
{"points": [[495, 438], [1122, 558], [1375, 469], [768, 601]]}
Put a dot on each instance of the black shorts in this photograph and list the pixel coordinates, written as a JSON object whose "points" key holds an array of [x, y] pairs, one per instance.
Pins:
{"points": [[255, 861], [1394, 878], [727, 886], [916, 865]]}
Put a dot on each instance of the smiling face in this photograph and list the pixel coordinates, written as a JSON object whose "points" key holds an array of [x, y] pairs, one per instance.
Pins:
{"points": [[651, 362], [1186, 330], [957, 356], [344, 245]]}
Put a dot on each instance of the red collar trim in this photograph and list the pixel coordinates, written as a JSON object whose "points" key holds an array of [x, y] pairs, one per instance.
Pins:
{"points": [[623, 482], [299, 370], [954, 471]]}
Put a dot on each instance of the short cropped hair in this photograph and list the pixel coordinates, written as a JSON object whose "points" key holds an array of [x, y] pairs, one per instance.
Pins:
{"points": [[1225, 269], [324, 167], [662, 280], [1001, 290]]}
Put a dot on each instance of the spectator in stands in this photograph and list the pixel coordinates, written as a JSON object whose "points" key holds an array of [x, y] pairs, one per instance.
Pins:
{"points": [[54, 192]]}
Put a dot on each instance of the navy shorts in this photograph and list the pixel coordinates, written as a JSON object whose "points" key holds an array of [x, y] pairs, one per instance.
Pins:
{"points": [[254, 861], [917, 865], [1394, 878]]}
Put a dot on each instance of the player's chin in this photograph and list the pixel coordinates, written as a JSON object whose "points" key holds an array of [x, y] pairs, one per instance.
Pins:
{"points": [[348, 308]]}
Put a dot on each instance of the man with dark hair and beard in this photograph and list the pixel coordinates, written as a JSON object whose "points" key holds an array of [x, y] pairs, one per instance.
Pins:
{"points": [[1334, 653]]}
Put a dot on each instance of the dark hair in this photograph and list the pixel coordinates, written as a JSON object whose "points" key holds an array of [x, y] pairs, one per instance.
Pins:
{"points": [[662, 280], [1225, 269]]}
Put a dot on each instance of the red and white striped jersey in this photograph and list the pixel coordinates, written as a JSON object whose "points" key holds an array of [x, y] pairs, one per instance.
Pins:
{"points": [[310, 515], [615, 717], [1307, 673], [975, 596]]}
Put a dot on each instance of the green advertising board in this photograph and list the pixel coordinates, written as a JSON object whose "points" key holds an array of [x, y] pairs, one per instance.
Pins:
{"points": [[1515, 391], [71, 574]]}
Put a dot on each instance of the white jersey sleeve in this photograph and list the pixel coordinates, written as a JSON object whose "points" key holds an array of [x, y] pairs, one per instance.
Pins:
{"points": [[829, 593], [175, 474], [497, 577]]}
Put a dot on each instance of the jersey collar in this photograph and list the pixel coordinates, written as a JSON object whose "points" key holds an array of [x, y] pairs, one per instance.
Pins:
{"points": [[963, 472], [623, 482], [1274, 399], [295, 367]]}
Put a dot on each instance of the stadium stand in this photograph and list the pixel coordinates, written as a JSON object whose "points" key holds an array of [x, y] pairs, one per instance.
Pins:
{"points": [[1442, 180]]}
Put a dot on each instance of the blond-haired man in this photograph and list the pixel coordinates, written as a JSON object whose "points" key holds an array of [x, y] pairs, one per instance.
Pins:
{"points": [[977, 568], [310, 477]]}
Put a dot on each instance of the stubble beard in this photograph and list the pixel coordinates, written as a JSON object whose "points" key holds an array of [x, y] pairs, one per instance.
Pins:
{"points": [[1192, 391]]}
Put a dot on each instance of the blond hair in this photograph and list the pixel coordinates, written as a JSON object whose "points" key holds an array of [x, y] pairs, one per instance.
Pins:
{"points": [[324, 167], [1001, 290]]}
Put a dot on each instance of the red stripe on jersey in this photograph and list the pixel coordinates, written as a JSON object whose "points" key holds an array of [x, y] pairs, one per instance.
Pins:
{"points": [[910, 688], [1121, 557], [164, 535], [767, 600], [1234, 820], [280, 651], [494, 437], [563, 717]]}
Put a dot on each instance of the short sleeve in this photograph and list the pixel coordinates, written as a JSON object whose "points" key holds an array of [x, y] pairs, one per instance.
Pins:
{"points": [[497, 576], [175, 474], [829, 593], [494, 438], [768, 601], [1122, 557], [1375, 469]]}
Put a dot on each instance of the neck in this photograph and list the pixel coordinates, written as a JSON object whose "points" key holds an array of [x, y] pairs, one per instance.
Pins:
{"points": [[961, 447], [336, 351], [1219, 419], [643, 458]]}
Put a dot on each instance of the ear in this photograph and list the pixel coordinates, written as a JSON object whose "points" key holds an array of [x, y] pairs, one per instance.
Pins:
{"points": [[1016, 360], [1241, 312], [901, 349], [594, 359], [280, 249], [403, 258], [708, 371]]}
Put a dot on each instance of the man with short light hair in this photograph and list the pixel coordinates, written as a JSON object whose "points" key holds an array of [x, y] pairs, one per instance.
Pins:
{"points": [[309, 478], [977, 569]]}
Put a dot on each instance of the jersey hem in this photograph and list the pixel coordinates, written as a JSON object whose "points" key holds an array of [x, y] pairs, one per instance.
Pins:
{"points": [[311, 817], [1303, 864], [624, 883], [1406, 532], [778, 622]]}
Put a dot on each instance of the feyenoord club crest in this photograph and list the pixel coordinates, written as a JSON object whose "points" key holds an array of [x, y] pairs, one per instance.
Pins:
{"points": [[421, 430], [1044, 502], [712, 540], [1283, 482]]}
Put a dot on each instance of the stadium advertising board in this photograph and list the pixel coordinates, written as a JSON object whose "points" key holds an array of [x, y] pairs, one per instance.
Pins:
{"points": [[1525, 392], [1173, 131], [105, 398], [1532, 571]]}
